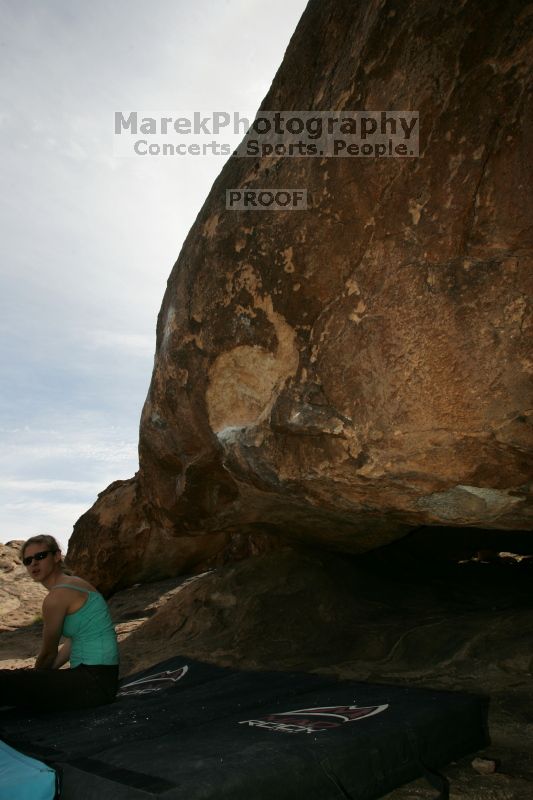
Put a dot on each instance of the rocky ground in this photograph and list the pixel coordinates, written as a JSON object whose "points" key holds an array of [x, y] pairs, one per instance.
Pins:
{"points": [[394, 619]]}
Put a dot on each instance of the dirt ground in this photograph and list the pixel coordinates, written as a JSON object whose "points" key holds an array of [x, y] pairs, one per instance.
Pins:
{"points": [[464, 627]]}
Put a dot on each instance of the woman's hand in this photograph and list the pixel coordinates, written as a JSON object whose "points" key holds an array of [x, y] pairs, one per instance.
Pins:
{"points": [[54, 610]]}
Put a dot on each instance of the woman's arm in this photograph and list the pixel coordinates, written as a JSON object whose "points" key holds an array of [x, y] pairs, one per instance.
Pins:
{"points": [[63, 654], [54, 610]]}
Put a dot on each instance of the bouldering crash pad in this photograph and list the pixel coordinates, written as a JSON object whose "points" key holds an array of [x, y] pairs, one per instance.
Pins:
{"points": [[185, 730]]}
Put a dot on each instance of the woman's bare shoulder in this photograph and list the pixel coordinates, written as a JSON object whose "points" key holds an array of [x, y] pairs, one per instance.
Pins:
{"points": [[73, 580]]}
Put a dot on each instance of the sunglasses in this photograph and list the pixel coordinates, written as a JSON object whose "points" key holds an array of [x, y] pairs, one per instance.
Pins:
{"points": [[38, 557]]}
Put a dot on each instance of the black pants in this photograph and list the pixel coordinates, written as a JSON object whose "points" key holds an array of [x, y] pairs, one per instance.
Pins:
{"points": [[58, 689]]}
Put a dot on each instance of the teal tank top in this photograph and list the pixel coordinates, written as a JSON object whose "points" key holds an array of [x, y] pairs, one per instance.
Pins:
{"points": [[91, 630]]}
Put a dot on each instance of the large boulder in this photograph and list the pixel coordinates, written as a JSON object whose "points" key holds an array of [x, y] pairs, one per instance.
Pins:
{"points": [[345, 374], [21, 597]]}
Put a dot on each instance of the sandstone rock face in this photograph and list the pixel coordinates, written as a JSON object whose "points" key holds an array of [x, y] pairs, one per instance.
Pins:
{"points": [[20, 597], [390, 613], [344, 374]]}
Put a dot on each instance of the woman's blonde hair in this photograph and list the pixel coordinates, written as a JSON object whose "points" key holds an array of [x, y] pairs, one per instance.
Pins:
{"points": [[50, 542]]}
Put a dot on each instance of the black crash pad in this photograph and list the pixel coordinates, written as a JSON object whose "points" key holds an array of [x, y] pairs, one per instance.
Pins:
{"points": [[184, 730]]}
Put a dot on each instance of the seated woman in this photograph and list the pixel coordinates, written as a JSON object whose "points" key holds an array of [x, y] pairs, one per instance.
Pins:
{"points": [[75, 610]]}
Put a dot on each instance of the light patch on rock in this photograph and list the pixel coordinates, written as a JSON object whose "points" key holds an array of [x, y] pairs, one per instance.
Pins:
{"points": [[515, 311], [455, 162], [245, 311], [244, 382], [473, 503], [193, 337], [230, 434], [415, 209], [211, 225], [169, 326], [352, 286], [182, 376], [287, 258], [358, 313]]}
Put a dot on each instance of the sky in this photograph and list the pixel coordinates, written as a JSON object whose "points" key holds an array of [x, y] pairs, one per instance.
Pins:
{"points": [[88, 238]]}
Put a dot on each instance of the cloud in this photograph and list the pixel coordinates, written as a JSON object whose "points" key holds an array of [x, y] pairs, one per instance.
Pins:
{"points": [[23, 518], [50, 477], [40, 485], [121, 342], [23, 448]]}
